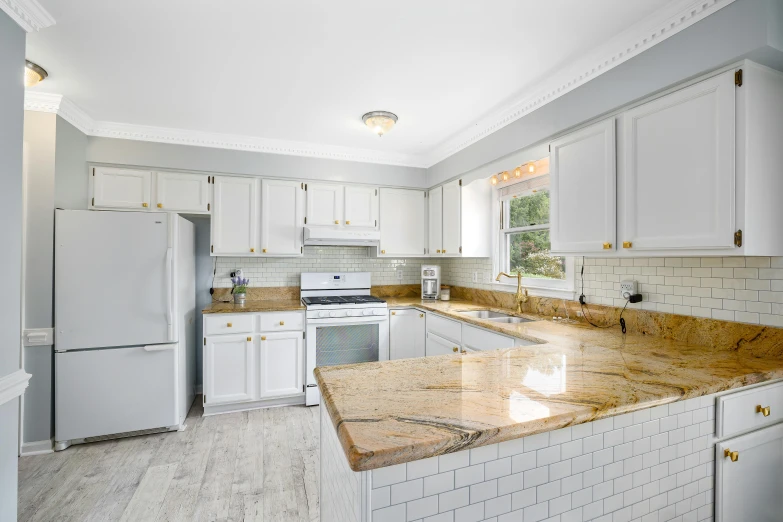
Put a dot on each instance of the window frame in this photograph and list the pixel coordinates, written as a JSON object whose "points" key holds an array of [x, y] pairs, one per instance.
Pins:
{"points": [[557, 288]]}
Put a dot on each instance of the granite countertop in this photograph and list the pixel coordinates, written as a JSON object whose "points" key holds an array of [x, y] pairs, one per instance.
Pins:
{"points": [[269, 305], [399, 411]]}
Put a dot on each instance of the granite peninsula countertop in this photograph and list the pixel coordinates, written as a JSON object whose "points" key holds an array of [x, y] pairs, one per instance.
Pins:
{"points": [[268, 305], [399, 411]]}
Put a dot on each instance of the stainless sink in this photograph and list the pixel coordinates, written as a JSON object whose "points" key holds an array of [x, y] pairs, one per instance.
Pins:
{"points": [[495, 317], [484, 314]]}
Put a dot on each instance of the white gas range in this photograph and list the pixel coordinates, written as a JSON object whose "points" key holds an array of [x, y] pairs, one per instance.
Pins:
{"points": [[345, 324]]}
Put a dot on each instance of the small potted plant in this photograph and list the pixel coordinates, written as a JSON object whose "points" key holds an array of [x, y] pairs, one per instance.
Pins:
{"points": [[240, 289]]}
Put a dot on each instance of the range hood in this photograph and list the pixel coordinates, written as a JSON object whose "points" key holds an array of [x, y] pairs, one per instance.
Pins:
{"points": [[340, 237]]}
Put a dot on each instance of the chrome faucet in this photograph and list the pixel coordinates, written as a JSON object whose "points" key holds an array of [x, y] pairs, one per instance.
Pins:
{"points": [[521, 297]]}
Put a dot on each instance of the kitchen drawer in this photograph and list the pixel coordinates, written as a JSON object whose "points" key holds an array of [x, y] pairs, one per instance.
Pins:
{"points": [[737, 412], [282, 321], [446, 328], [216, 324], [483, 340]]}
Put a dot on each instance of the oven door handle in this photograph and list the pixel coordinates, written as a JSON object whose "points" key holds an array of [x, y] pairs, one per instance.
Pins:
{"points": [[334, 321]]}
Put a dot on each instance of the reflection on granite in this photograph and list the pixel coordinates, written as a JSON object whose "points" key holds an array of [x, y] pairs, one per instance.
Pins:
{"points": [[398, 411], [269, 305]]}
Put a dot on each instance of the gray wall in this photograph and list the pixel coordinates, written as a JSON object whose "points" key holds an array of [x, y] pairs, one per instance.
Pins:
{"points": [[39, 140], [71, 167], [184, 157], [204, 264], [12, 45], [745, 28]]}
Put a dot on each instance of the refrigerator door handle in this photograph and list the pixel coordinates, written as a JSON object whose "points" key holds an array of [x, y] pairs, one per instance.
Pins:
{"points": [[159, 347], [169, 292]]}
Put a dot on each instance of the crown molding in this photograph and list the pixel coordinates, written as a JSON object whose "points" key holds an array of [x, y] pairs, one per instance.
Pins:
{"points": [[29, 14], [666, 22], [13, 385]]}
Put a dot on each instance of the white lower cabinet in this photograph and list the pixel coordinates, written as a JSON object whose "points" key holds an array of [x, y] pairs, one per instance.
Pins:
{"points": [[257, 368], [749, 477], [229, 369], [437, 345], [478, 339], [281, 364], [407, 334]]}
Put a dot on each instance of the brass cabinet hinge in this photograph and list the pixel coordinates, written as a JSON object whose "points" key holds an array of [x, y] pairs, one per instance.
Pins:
{"points": [[738, 238], [305, 220], [302, 186], [208, 207], [301, 250], [305, 187], [93, 202], [460, 250], [738, 78], [460, 183], [205, 341], [93, 171], [212, 248], [376, 222]]}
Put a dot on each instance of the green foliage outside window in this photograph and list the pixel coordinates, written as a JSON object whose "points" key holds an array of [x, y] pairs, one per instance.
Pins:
{"points": [[529, 251]]}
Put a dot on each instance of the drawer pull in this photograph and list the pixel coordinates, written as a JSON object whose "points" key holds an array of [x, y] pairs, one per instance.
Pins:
{"points": [[229, 325], [394, 313], [733, 455], [421, 315], [607, 246], [764, 411], [455, 349], [282, 323], [263, 337], [249, 338]]}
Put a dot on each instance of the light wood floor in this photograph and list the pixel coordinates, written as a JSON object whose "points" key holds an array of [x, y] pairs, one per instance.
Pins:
{"points": [[261, 465]]}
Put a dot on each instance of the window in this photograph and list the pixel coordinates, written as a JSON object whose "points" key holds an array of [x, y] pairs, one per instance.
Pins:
{"points": [[524, 244]]}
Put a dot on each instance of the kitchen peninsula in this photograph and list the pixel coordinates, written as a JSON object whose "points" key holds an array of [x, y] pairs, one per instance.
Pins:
{"points": [[586, 423]]}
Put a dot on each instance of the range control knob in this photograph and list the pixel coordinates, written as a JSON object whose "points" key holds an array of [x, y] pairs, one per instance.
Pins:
{"points": [[367, 312], [333, 314], [323, 314]]}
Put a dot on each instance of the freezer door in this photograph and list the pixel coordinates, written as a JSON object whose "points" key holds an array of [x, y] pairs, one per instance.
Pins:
{"points": [[113, 279], [106, 392]]}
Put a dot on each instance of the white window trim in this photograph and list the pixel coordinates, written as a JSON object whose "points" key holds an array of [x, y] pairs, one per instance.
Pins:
{"points": [[537, 287]]}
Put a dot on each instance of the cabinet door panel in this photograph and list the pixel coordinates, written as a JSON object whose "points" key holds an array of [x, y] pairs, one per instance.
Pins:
{"points": [[361, 207], [435, 198], [235, 216], [282, 217], [452, 216], [679, 168], [403, 221], [121, 188], [439, 346], [324, 205], [749, 488], [229, 369], [407, 334], [481, 340], [281, 364], [583, 190], [182, 192]]}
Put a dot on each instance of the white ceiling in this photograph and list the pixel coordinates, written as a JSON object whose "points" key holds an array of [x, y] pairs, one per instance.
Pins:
{"points": [[306, 70]]}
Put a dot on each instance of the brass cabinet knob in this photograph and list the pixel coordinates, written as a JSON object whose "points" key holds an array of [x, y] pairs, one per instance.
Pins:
{"points": [[421, 315], [229, 325], [282, 323], [455, 349], [438, 251], [464, 352], [252, 249], [347, 222], [383, 251], [144, 205], [160, 205], [607, 246], [263, 250], [249, 338], [263, 337], [394, 313], [336, 221], [763, 410], [733, 455], [444, 251], [627, 244]]}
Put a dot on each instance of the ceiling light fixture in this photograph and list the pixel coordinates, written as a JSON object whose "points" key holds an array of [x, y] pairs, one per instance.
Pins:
{"points": [[33, 74], [380, 122]]}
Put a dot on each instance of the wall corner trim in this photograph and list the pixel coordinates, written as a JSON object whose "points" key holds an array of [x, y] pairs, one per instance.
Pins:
{"points": [[29, 14], [13, 385]]}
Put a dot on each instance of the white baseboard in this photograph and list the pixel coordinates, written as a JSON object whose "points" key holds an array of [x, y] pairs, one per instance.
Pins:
{"points": [[39, 447], [199, 389]]}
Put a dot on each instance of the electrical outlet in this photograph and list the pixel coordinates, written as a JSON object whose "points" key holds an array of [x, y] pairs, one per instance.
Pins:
{"points": [[475, 276], [399, 274], [627, 289]]}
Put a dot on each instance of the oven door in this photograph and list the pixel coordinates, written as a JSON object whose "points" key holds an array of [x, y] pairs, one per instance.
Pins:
{"points": [[346, 340]]}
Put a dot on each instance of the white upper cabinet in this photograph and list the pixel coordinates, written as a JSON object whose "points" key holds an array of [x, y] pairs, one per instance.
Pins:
{"points": [[121, 188], [583, 190], [324, 205], [182, 192], [361, 206], [403, 222], [281, 364], [452, 217], [679, 169], [235, 216], [282, 217], [435, 199]]}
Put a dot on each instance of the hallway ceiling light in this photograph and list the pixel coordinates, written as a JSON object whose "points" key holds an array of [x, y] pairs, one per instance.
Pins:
{"points": [[380, 122], [33, 74]]}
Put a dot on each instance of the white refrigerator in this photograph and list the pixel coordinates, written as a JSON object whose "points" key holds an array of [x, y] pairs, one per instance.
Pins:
{"points": [[124, 320]]}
